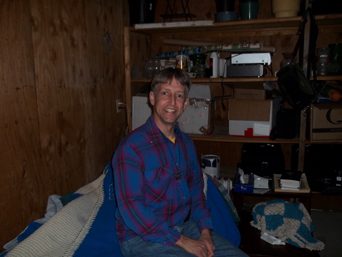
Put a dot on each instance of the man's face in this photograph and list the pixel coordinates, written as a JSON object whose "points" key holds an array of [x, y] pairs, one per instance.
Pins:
{"points": [[169, 101]]}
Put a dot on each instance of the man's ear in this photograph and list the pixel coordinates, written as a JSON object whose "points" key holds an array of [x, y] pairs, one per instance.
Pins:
{"points": [[151, 98]]}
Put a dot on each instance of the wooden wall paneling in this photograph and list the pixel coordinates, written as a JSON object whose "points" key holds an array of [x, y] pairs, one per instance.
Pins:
{"points": [[62, 76], [76, 55], [105, 126], [21, 183], [61, 71]]}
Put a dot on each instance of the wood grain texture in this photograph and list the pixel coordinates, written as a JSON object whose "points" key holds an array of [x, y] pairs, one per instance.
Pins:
{"points": [[61, 70], [20, 185]]}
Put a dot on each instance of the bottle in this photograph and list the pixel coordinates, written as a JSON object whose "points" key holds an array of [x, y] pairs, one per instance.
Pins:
{"points": [[214, 60]]}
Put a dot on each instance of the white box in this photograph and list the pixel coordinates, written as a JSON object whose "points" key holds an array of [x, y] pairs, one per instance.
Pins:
{"points": [[251, 58], [250, 117], [196, 117]]}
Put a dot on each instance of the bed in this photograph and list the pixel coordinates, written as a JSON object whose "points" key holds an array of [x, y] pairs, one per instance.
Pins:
{"points": [[82, 223]]}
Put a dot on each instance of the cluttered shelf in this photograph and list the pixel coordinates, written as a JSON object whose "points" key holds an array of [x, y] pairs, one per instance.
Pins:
{"points": [[256, 188]]}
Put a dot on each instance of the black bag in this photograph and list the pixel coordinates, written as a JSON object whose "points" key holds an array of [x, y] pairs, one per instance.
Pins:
{"points": [[262, 159], [287, 124], [294, 86]]}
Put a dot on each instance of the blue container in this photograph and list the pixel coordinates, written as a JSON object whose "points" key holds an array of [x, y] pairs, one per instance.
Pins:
{"points": [[246, 187]]}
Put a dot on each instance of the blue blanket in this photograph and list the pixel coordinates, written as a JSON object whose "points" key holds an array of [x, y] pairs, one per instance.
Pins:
{"points": [[85, 226]]}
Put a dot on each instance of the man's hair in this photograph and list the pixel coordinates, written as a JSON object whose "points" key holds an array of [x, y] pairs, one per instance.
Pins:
{"points": [[168, 74]]}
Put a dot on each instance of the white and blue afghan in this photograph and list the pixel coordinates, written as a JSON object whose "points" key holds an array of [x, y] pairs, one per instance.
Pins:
{"points": [[289, 222], [83, 224]]}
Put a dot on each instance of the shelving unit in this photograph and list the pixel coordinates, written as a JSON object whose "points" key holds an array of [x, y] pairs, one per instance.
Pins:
{"points": [[278, 33]]}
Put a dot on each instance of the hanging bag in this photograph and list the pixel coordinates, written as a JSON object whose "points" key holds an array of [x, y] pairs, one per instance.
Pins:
{"points": [[295, 88]]}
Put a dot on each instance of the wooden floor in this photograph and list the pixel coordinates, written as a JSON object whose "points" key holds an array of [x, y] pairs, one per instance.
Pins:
{"points": [[328, 227]]}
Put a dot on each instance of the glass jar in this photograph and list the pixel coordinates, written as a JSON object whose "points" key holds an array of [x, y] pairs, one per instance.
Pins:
{"points": [[322, 60], [152, 66]]}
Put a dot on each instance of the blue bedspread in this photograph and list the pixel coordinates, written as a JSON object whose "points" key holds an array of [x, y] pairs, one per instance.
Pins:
{"points": [[85, 226]]}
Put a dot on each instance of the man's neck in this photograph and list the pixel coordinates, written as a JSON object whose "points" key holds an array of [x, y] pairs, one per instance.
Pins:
{"points": [[169, 132], [167, 129]]}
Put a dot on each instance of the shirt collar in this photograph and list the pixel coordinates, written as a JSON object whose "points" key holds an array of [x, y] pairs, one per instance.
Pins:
{"points": [[155, 131]]}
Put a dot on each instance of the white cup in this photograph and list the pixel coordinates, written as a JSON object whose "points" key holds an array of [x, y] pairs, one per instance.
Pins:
{"points": [[211, 165]]}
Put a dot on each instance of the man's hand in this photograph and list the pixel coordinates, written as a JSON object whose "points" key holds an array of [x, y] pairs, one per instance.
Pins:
{"points": [[201, 248], [206, 239]]}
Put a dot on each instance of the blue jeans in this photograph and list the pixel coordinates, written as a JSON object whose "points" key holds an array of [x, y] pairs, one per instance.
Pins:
{"points": [[137, 247]]}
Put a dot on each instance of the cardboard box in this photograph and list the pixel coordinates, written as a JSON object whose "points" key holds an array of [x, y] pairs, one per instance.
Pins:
{"points": [[250, 117], [196, 118], [249, 93], [326, 122]]}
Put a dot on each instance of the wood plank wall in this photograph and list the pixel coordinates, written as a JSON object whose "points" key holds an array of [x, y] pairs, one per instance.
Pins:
{"points": [[61, 69]]}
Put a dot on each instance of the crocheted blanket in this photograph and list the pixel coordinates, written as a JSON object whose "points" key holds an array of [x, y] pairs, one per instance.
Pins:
{"points": [[289, 222]]}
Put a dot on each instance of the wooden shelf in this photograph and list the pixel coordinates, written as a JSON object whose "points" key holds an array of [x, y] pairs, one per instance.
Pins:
{"points": [[237, 139], [255, 24], [243, 79], [220, 134], [329, 20], [336, 141], [329, 77], [304, 185], [220, 80]]}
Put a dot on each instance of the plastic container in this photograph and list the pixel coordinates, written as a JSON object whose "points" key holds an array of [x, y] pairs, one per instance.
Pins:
{"points": [[285, 8], [244, 187]]}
